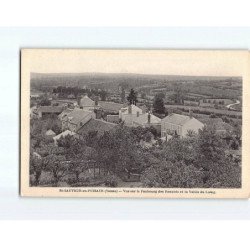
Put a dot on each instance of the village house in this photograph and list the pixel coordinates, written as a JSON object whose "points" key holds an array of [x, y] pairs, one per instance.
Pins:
{"points": [[110, 107], [76, 119], [179, 125], [96, 125], [88, 104], [147, 120], [64, 113], [48, 110], [128, 113]]}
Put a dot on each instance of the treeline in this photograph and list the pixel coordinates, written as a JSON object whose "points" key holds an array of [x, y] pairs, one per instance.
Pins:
{"points": [[74, 92]]}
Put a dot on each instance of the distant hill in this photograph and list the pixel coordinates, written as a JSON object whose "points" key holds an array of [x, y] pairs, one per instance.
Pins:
{"points": [[113, 80]]}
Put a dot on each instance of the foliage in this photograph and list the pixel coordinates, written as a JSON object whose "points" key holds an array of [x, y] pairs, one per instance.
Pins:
{"points": [[64, 92], [158, 105], [169, 175], [132, 97], [111, 181], [123, 95], [177, 150]]}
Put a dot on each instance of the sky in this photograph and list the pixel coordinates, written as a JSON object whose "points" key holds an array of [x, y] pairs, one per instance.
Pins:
{"points": [[164, 62]]}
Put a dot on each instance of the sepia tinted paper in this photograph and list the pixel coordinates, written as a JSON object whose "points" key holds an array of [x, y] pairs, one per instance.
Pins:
{"points": [[135, 151]]}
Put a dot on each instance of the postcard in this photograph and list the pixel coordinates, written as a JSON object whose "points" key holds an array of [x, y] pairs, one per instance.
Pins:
{"points": [[135, 123]]}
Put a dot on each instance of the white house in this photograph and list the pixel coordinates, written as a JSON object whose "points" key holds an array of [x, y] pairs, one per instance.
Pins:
{"points": [[128, 113], [179, 125]]}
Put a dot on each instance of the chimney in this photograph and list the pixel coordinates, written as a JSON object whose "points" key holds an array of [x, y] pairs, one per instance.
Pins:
{"points": [[137, 113], [144, 109], [149, 117], [170, 111], [130, 109], [190, 113]]}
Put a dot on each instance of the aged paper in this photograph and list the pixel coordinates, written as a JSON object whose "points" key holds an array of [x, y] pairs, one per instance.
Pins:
{"points": [[135, 123]]}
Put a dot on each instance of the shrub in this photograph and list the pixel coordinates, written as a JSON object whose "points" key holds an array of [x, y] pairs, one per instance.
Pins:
{"points": [[111, 181]]}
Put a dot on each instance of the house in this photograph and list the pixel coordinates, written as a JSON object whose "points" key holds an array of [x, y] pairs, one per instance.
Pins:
{"points": [[49, 110], [97, 125], [128, 113], [76, 119], [50, 133], [88, 104], [110, 107], [63, 134], [64, 113], [147, 120], [179, 125]]}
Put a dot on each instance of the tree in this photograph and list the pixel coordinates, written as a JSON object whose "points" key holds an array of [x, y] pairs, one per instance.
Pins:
{"points": [[44, 101], [132, 97], [180, 150], [36, 167], [143, 95], [172, 175], [158, 105], [123, 95], [103, 95], [54, 161], [178, 96], [58, 167], [209, 148], [219, 170]]}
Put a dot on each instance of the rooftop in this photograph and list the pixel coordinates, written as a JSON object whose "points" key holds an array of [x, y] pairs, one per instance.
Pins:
{"points": [[134, 109], [63, 134], [111, 106], [77, 115], [96, 125], [86, 102], [65, 112], [50, 109], [177, 119], [142, 119]]}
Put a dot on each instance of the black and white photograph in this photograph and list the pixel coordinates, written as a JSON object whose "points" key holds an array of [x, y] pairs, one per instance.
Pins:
{"points": [[127, 124]]}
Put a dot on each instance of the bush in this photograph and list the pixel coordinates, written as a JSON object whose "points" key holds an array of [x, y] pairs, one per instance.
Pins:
{"points": [[111, 181]]}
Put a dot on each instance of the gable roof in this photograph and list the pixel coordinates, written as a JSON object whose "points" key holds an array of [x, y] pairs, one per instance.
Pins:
{"points": [[63, 134], [96, 125], [65, 112], [177, 119], [134, 109], [77, 115], [86, 102], [142, 119], [50, 109], [111, 106]]}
